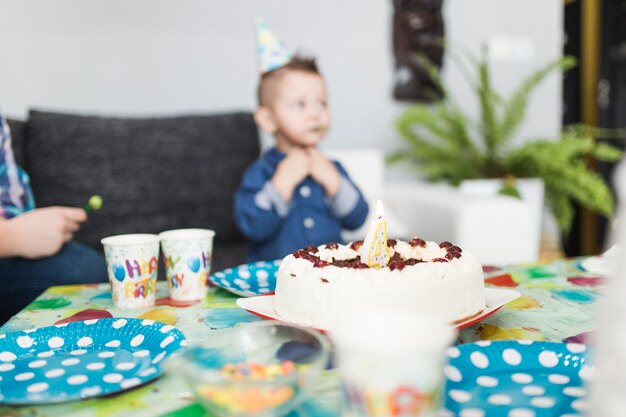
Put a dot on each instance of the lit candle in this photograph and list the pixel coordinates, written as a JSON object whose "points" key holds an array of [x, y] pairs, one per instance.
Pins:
{"points": [[375, 252]]}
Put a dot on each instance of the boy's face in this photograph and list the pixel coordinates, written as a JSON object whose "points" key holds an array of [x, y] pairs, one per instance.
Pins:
{"points": [[296, 111]]}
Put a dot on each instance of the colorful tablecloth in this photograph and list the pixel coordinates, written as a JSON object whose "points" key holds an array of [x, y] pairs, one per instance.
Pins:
{"points": [[557, 303]]}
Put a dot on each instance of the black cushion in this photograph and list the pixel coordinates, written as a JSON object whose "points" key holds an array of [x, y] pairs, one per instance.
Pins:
{"points": [[17, 135], [153, 174]]}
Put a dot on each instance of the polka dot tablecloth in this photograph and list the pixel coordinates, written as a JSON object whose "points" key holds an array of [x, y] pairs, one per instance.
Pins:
{"points": [[517, 379], [82, 359], [248, 280]]}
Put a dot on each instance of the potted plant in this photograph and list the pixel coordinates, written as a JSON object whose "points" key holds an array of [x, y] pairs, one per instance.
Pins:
{"points": [[444, 144]]}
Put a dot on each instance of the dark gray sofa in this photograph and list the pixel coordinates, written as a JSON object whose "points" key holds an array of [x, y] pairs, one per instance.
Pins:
{"points": [[154, 174]]}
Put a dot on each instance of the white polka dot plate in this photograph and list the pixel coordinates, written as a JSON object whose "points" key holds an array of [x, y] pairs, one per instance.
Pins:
{"points": [[82, 359], [248, 280], [495, 298], [517, 379]]}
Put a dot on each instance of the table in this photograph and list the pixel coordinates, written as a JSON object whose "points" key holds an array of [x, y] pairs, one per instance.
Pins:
{"points": [[558, 302]]}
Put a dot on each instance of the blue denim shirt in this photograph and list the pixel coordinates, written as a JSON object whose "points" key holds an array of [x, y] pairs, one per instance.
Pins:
{"points": [[16, 195], [277, 227]]}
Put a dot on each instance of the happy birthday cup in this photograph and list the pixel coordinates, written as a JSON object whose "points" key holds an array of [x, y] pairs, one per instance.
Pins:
{"points": [[391, 362], [132, 264], [187, 254]]}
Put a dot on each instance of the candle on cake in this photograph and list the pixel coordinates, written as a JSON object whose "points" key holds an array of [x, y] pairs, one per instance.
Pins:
{"points": [[375, 252]]}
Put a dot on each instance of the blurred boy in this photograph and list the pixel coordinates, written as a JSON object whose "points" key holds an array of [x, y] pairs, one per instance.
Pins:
{"points": [[293, 196]]}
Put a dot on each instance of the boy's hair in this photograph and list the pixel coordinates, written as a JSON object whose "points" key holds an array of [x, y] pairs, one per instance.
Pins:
{"points": [[297, 63]]}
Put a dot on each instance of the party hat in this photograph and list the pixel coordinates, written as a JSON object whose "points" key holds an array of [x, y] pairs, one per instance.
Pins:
{"points": [[271, 52]]}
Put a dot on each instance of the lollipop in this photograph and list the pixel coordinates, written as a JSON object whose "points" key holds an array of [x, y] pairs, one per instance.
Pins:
{"points": [[95, 202]]}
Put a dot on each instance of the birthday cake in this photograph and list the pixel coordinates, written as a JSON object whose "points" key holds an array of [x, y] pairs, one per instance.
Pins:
{"points": [[317, 284]]}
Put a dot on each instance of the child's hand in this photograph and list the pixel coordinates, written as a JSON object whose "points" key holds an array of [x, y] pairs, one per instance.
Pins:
{"points": [[324, 172], [291, 171], [42, 232]]}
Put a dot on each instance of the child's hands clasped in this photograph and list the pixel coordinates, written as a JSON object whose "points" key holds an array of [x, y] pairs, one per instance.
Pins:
{"points": [[291, 171], [324, 172], [299, 164]]}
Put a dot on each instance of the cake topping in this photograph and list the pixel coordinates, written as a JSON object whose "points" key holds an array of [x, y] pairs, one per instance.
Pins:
{"points": [[452, 255], [417, 242], [301, 254], [396, 257], [350, 263], [321, 264], [403, 254], [356, 245], [399, 263], [305, 255], [393, 265], [311, 249]]}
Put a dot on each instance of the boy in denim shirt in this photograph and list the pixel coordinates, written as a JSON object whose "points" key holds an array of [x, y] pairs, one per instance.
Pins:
{"points": [[293, 196]]}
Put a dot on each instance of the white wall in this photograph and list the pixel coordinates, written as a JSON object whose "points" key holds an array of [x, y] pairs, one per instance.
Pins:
{"points": [[522, 36], [152, 57]]}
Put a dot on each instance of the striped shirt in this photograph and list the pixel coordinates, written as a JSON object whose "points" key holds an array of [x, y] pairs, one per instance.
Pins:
{"points": [[16, 196]]}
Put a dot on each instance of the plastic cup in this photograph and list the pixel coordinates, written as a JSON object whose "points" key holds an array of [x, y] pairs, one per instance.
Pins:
{"points": [[391, 362], [187, 254], [132, 264]]}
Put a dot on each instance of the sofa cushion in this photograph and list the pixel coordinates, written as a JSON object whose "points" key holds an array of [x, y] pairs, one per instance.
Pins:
{"points": [[17, 139], [153, 174]]}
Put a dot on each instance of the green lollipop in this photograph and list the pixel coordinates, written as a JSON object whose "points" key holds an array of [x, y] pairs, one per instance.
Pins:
{"points": [[95, 202]]}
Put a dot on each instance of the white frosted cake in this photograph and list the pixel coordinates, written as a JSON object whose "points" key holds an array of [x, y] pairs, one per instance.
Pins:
{"points": [[317, 284]]}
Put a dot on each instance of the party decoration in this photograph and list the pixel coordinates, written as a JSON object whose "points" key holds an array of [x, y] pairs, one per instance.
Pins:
{"points": [[272, 53]]}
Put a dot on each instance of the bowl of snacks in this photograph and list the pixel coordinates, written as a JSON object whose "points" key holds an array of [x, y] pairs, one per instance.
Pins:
{"points": [[254, 369]]}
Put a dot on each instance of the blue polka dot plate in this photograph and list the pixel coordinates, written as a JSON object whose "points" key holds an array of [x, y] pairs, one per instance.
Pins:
{"points": [[517, 379], [248, 280], [83, 359]]}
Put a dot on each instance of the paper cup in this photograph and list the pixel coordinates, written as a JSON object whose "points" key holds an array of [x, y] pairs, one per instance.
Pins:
{"points": [[132, 264], [187, 255], [391, 362]]}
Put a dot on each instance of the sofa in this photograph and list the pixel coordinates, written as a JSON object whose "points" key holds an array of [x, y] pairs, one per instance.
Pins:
{"points": [[153, 174], [162, 173]]}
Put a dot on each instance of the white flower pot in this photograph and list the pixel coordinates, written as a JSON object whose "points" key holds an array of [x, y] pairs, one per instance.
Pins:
{"points": [[532, 194]]}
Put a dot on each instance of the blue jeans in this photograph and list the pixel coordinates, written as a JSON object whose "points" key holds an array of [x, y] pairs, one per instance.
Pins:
{"points": [[22, 280]]}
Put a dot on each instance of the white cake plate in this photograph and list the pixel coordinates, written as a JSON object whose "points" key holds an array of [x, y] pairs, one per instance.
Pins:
{"points": [[495, 298]]}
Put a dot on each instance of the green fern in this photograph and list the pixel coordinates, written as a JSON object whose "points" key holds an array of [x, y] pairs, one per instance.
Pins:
{"points": [[562, 166], [445, 144]]}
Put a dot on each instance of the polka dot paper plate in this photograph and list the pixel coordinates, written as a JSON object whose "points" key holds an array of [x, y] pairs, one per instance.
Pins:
{"points": [[82, 359], [248, 280], [517, 379]]}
